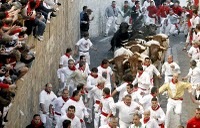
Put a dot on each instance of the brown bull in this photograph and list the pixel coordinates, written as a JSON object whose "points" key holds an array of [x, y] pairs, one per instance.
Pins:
{"points": [[162, 40], [133, 46], [155, 52]]}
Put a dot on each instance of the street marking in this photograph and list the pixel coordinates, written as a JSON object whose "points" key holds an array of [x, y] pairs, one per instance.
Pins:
{"points": [[106, 38]]}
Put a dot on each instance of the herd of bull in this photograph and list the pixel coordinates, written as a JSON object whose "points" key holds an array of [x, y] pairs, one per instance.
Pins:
{"points": [[132, 52]]}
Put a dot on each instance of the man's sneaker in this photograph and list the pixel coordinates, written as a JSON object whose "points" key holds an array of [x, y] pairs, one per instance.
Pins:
{"points": [[48, 21], [40, 38]]}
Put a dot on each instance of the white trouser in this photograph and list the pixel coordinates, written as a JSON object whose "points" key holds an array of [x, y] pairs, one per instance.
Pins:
{"points": [[167, 78], [171, 29], [57, 118], [111, 21], [145, 91], [46, 120], [97, 114], [164, 25], [87, 56], [173, 105], [103, 120], [184, 28], [126, 19], [123, 124]]}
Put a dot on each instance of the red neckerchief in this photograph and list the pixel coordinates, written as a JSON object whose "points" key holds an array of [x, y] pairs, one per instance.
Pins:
{"points": [[73, 68], [72, 98], [174, 81], [72, 117], [139, 74], [146, 120], [106, 96], [81, 69], [93, 75], [155, 108], [68, 55], [102, 66], [65, 99], [36, 125], [146, 65], [82, 92], [47, 92]]}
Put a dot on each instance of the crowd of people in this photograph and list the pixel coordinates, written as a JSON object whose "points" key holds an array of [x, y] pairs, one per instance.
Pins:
{"points": [[88, 95], [18, 20]]}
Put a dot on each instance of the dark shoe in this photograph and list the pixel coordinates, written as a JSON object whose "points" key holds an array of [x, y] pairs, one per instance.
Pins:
{"points": [[185, 36], [59, 4], [53, 15]]}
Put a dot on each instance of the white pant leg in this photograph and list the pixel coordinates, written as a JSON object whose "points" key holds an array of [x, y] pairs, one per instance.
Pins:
{"points": [[170, 106], [109, 23], [126, 19], [96, 119], [123, 124], [57, 118], [178, 106], [103, 121], [167, 29], [167, 79], [115, 25], [43, 117]]}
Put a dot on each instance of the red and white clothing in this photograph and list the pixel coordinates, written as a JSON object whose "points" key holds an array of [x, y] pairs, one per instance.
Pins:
{"points": [[57, 105], [140, 126], [107, 105], [65, 73], [169, 71], [87, 68], [84, 47], [106, 126], [64, 60], [46, 99], [126, 112], [107, 74], [80, 108], [193, 123], [121, 89], [135, 94], [151, 69], [143, 81], [194, 52], [194, 75], [158, 114], [75, 121], [96, 94], [150, 123], [194, 21], [146, 101], [91, 81], [28, 12], [152, 11]]}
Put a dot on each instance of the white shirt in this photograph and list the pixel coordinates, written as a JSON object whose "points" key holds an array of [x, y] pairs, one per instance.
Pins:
{"points": [[151, 123], [121, 89], [65, 74], [194, 74], [158, 114], [168, 71], [126, 112], [194, 52], [106, 126], [146, 101], [58, 104], [143, 80], [133, 126], [136, 96], [91, 82], [194, 21], [87, 68], [151, 69], [46, 99], [107, 105], [146, 4], [173, 88], [79, 106], [106, 73], [75, 122], [84, 45], [64, 60]]}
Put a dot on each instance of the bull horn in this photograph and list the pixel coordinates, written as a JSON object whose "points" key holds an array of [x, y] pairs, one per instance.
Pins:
{"points": [[140, 59], [137, 53], [158, 26], [127, 47], [111, 60], [163, 48], [124, 61]]}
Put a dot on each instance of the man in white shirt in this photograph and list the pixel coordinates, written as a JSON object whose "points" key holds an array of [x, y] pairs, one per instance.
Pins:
{"points": [[136, 121], [106, 72], [64, 58], [122, 88], [87, 68], [107, 103], [143, 81], [150, 69], [81, 110], [65, 73], [45, 99], [56, 105], [169, 68], [134, 92], [146, 100], [126, 110], [70, 115], [111, 124], [194, 52], [96, 93], [83, 46], [149, 122], [157, 112]]}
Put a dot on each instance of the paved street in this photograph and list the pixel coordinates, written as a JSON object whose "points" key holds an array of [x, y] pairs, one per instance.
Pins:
{"points": [[176, 43]]}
